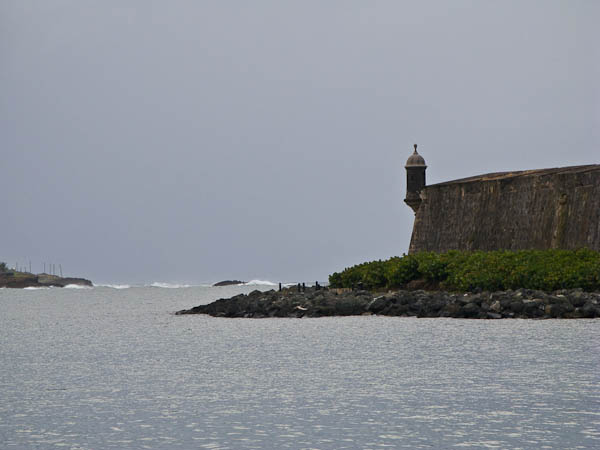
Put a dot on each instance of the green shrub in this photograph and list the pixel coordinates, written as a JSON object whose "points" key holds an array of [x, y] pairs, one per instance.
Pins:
{"points": [[399, 271], [495, 270], [432, 266]]}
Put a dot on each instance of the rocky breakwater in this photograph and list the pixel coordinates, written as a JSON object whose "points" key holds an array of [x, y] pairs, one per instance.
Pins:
{"points": [[522, 304]]}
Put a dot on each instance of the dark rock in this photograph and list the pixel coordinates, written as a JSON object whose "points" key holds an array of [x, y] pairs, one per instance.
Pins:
{"points": [[496, 306], [451, 310], [62, 282], [228, 283], [378, 304], [398, 310], [558, 310], [470, 310], [577, 298], [534, 308], [590, 310], [506, 300], [516, 306], [430, 307]]}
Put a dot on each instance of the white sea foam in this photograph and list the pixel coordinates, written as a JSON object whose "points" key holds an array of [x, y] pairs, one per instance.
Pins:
{"points": [[77, 286], [169, 285], [114, 286], [34, 288], [260, 283], [156, 284]]}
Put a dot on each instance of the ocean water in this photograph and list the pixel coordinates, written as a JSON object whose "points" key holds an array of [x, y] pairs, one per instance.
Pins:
{"points": [[114, 368]]}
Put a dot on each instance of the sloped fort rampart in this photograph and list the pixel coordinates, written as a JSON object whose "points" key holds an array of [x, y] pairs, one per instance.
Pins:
{"points": [[532, 209]]}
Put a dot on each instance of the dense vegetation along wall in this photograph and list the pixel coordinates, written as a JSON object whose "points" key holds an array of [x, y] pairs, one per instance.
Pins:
{"points": [[499, 270], [539, 209]]}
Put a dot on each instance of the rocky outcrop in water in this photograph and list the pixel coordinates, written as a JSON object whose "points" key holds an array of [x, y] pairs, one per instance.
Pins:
{"points": [[25, 279], [522, 303], [228, 283]]}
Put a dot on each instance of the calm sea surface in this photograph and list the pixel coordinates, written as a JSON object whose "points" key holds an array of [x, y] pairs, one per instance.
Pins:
{"points": [[108, 368]]}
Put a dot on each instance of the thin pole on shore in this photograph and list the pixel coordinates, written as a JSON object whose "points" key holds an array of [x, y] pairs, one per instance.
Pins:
{"points": [[29, 266], [60, 267]]}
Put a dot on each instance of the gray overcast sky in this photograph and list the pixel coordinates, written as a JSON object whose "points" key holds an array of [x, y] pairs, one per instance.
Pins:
{"points": [[194, 141]]}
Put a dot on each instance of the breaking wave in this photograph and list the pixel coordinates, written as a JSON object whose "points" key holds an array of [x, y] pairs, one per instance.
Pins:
{"points": [[156, 284], [34, 288], [259, 283], [114, 286], [160, 284], [169, 285]]}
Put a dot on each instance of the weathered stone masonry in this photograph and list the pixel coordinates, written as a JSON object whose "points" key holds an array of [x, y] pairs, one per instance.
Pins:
{"points": [[534, 209]]}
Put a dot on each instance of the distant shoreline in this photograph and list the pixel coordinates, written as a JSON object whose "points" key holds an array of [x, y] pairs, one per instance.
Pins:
{"points": [[21, 280]]}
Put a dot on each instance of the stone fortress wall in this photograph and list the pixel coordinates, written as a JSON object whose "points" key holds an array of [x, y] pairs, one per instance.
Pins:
{"points": [[533, 209]]}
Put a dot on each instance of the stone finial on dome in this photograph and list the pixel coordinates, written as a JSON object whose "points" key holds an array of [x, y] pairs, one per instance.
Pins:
{"points": [[415, 160]]}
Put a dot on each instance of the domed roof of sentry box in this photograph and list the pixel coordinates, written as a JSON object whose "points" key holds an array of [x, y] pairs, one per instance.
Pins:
{"points": [[415, 160]]}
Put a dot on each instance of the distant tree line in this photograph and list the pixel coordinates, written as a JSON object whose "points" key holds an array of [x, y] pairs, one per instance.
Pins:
{"points": [[546, 270]]}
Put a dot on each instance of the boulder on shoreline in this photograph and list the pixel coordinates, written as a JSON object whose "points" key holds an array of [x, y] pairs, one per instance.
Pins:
{"points": [[522, 303]]}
